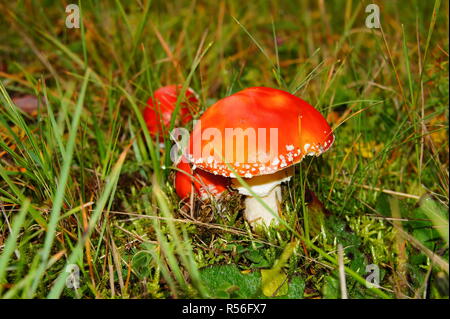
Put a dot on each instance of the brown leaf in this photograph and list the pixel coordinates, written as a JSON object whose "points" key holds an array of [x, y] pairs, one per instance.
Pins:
{"points": [[27, 103]]}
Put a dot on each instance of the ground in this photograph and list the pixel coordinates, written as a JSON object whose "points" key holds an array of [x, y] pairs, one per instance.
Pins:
{"points": [[86, 194]]}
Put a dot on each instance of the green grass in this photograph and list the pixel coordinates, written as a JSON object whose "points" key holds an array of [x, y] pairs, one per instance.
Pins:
{"points": [[83, 182]]}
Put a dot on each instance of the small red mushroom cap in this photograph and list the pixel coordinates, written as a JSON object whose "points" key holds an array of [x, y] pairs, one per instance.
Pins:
{"points": [[160, 107], [201, 182], [259, 111]]}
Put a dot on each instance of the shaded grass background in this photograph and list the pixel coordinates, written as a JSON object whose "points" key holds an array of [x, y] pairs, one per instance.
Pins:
{"points": [[89, 186]]}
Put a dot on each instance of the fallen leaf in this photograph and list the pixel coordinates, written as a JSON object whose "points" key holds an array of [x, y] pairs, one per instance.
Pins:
{"points": [[437, 125], [274, 282], [27, 103]]}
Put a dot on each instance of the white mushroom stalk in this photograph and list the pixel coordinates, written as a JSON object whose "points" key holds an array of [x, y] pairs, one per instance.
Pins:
{"points": [[268, 191]]}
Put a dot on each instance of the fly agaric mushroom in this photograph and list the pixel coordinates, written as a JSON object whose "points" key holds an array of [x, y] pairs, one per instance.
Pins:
{"points": [[160, 107], [273, 130], [201, 182]]}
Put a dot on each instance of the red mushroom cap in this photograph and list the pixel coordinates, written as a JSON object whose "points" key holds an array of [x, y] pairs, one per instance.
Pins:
{"points": [[160, 107], [301, 130], [199, 181]]}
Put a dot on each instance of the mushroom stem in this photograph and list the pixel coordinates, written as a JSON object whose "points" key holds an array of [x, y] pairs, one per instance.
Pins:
{"points": [[256, 214], [268, 189]]}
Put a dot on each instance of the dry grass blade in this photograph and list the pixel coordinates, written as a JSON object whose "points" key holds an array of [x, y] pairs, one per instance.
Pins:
{"points": [[342, 281]]}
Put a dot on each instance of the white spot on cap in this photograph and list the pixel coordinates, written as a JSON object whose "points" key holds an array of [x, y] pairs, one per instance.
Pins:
{"points": [[290, 147], [306, 147]]}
